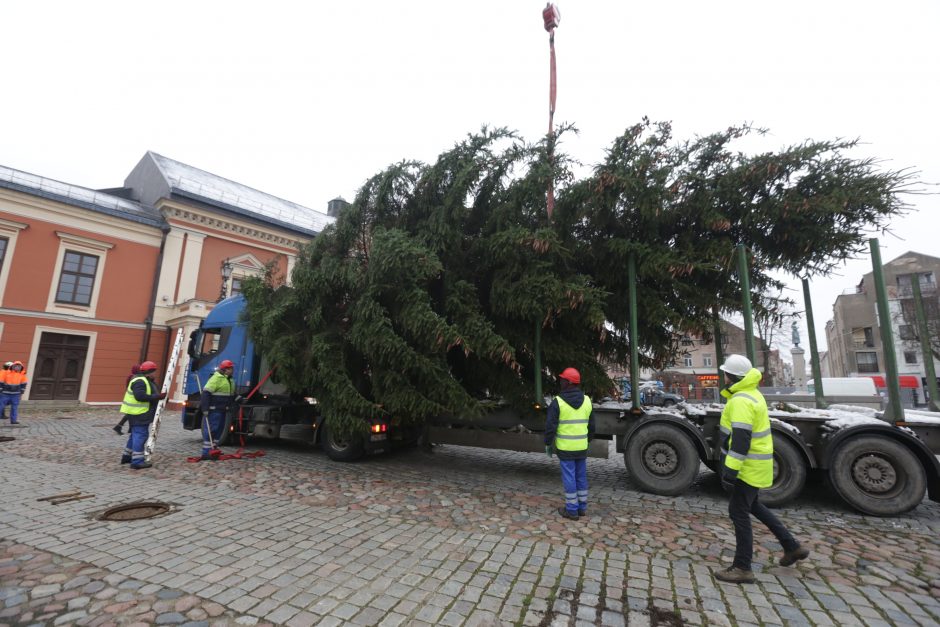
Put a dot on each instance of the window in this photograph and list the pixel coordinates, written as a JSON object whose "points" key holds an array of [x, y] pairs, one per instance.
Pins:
{"points": [[867, 362], [77, 279], [3, 249], [236, 286], [707, 360], [906, 332], [687, 361], [910, 357]]}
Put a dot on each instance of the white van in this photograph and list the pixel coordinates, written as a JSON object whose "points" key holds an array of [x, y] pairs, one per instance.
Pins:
{"points": [[845, 386]]}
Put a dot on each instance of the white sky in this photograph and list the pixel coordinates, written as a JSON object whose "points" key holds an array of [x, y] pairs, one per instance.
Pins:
{"points": [[306, 103]]}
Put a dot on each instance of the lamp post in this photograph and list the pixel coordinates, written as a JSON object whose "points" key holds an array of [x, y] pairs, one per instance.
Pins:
{"points": [[226, 275]]}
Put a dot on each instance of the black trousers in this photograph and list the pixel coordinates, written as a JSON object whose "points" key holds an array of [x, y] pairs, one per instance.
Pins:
{"points": [[743, 503]]}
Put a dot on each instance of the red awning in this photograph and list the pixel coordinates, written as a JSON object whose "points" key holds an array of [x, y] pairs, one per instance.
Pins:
{"points": [[906, 381]]}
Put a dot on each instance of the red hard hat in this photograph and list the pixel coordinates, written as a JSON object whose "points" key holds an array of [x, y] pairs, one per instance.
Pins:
{"points": [[572, 375], [147, 366], [226, 363]]}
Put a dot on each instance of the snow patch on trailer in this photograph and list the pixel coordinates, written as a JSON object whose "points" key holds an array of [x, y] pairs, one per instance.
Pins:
{"points": [[921, 417], [785, 425]]}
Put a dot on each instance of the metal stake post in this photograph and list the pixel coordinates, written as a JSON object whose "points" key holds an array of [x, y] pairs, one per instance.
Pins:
{"points": [[813, 350], [895, 411], [924, 333]]}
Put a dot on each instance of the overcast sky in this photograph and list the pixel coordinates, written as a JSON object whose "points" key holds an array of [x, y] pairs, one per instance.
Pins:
{"points": [[306, 103]]}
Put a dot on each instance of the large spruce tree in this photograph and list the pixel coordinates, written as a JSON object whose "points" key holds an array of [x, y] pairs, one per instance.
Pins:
{"points": [[425, 295]]}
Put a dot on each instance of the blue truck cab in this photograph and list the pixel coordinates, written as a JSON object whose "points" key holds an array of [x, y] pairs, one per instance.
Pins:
{"points": [[223, 334]]}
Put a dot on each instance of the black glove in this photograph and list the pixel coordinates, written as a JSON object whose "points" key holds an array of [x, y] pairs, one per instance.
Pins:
{"points": [[548, 450], [199, 415]]}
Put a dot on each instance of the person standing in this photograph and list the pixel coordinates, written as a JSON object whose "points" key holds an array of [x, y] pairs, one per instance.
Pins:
{"points": [[569, 427], [748, 466], [140, 406], [216, 397], [12, 387], [3, 371]]}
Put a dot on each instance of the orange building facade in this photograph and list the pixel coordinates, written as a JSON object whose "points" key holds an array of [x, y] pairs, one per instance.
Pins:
{"points": [[94, 281]]}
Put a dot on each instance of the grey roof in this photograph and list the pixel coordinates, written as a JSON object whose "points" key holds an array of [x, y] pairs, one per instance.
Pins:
{"points": [[186, 181], [76, 196]]}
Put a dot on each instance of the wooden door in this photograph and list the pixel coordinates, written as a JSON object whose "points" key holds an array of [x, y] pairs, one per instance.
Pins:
{"points": [[60, 364]]}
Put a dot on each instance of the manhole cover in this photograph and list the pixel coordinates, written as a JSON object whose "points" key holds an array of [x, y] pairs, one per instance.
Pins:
{"points": [[135, 511], [6, 438]]}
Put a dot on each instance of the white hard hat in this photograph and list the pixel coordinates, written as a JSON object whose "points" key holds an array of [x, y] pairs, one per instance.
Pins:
{"points": [[738, 365]]}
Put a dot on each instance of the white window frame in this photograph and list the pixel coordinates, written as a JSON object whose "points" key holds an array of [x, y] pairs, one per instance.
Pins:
{"points": [[707, 360], [10, 230], [87, 246], [687, 361]]}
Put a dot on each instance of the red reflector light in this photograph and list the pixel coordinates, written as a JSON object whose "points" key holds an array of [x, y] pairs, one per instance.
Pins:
{"points": [[381, 428]]}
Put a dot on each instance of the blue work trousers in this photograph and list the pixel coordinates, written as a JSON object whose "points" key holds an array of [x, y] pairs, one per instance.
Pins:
{"points": [[574, 478], [136, 438], [13, 400], [213, 422]]}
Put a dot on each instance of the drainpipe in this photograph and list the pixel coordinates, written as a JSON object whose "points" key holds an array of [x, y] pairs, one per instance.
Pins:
{"points": [[148, 323]]}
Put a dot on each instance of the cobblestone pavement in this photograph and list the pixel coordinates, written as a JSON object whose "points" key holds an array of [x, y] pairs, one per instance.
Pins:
{"points": [[458, 536]]}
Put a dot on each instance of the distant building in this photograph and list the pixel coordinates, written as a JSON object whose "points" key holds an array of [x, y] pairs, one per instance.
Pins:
{"points": [[93, 281], [853, 335]]}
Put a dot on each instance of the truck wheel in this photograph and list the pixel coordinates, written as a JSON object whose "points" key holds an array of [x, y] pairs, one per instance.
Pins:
{"points": [[341, 449], [661, 459], [877, 476], [668, 403], [789, 475]]}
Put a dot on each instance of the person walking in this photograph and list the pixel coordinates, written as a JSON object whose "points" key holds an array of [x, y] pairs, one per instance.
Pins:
{"points": [[135, 370], [216, 397], [3, 410], [140, 406], [747, 466], [12, 387], [569, 427]]}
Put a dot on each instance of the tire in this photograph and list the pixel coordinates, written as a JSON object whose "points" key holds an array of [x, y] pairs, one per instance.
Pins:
{"points": [[668, 403], [340, 449], [877, 476], [662, 459], [789, 474]]}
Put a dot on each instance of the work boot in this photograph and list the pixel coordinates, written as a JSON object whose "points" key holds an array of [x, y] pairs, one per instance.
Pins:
{"points": [[141, 465], [582, 513], [791, 557], [125, 459], [735, 575], [566, 514]]}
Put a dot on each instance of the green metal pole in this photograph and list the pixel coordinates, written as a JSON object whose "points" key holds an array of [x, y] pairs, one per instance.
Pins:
{"points": [[813, 350], [924, 333], [746, 303], [895, 411], [634, 349], [539, 399], [719, 354]]}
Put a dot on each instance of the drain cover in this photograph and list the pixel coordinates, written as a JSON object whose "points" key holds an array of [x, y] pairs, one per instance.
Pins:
{"points": [[6, 438], [135, 511]]}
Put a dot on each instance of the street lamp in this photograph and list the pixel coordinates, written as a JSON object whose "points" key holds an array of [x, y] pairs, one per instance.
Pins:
{"points": [[226, 275]]}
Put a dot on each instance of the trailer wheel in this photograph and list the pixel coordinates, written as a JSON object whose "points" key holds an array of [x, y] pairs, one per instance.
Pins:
{"points": [[662, 459], [877, 476], [789, 475], [341, 449]]}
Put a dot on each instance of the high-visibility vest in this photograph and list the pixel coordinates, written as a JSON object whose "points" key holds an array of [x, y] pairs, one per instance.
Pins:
{"points": [[131, 406], [746, 409], [572, 433]]}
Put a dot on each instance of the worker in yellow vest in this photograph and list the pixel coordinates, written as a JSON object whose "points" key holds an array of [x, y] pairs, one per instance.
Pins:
{"points": [[140, 406], [569, 427], [747, 466]]}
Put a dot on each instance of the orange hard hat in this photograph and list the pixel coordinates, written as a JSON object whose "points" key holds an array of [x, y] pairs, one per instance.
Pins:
{"points": [[147, 366], [571, 375]]}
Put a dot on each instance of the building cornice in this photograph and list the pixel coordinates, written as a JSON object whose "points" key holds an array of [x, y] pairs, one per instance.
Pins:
{"points": [[246, 230]]}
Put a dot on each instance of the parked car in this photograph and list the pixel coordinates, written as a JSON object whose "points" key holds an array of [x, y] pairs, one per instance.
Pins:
{"points": [[660, 397]]}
